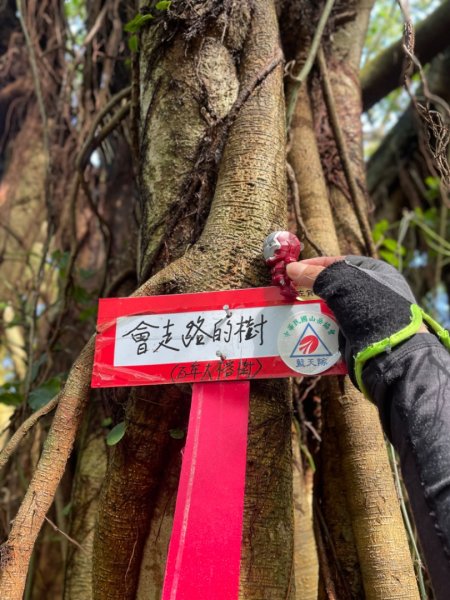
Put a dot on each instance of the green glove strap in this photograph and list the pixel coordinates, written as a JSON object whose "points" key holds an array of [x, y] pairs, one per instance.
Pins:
{"points": [[417, 316], [443, 334]]}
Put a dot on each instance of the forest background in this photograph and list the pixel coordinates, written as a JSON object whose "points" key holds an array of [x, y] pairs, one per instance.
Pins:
{"points": [[150, 149]]}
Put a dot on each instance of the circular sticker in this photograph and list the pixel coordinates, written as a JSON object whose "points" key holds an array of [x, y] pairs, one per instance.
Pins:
{"points": [[308, 342]]}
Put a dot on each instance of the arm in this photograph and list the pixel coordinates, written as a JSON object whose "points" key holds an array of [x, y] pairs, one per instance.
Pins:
{"points": [[408, 381], [411, 387]]}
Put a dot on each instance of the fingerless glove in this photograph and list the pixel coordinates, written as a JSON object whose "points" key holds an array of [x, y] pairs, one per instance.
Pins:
{"points": [[375, 308]]}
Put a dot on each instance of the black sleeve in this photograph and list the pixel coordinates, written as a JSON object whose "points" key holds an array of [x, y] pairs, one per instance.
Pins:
{"points": [[411, 387]]}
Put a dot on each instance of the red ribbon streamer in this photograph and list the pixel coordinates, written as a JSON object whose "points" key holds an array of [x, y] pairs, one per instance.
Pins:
{"points": [[205, 547]]}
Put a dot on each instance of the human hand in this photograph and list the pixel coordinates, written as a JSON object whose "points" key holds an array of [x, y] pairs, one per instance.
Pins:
{"points": [[370, 299], [305, 272]]}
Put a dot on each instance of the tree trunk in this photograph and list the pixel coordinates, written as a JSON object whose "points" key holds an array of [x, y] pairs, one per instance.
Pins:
{"points": [[306, 566], [361, 473], [243, 114]]}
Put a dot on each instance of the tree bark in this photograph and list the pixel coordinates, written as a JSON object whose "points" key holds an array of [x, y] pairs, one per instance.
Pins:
{"points": [[306, 566], [151, 576], [87, 483]]}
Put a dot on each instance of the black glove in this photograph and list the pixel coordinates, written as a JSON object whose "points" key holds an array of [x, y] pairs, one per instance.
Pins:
{"points": [[375, 308]]}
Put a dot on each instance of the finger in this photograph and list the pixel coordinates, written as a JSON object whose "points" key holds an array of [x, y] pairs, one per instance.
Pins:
{"points": [[305, 272], [323, 261], [303, 275]]}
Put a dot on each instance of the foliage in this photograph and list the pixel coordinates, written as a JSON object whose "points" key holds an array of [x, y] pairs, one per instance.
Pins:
{"points": [[75, 9], [75, 13], [133, 43], [418, 239], [10, 395], [426, 225], [389, 248], [116, 434], [44, 393], [138, 21], [176, 434]]}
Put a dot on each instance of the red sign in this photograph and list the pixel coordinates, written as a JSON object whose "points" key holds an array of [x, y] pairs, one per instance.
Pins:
{"points": [[213, 336], [205, 547]]}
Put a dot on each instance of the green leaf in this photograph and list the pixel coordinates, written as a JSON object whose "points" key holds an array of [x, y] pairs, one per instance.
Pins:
{"points": [[176, 434], [86, 273], [394, 246], [106, 422], [81, 295], [133, 43], [116, 434], [87, 313], [379, 230], [75, 9], [66, 510], [41, 395], [163, 4], [10, 396], [61, 261], [432, 183], [137, 22], [430, 216], [390, 258], [390, 244]]}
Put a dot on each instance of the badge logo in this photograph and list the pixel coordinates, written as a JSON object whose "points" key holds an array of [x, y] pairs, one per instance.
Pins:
{"points": [[308, 342]]}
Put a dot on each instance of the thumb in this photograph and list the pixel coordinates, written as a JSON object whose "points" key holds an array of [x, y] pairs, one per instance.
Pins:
{"points": [[303, 274]]}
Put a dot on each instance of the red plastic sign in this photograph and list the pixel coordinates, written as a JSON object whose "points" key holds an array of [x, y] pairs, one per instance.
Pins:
{"points": [[213, 336], [205, 547]]}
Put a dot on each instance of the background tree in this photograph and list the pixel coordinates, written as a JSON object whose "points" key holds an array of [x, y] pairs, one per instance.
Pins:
{"points": [[196, 129]]}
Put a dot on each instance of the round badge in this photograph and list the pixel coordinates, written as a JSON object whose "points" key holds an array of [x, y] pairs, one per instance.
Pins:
{"points": [[308, 342]]}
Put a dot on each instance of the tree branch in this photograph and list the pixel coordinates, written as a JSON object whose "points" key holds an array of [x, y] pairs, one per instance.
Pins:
{"points": [[65, 535], [343, 153], [298, 216], [308, 65], [404, 146], [21, 11], [121, 278], [325, 570], [21, 432], [384, 73], [94, 140]]}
